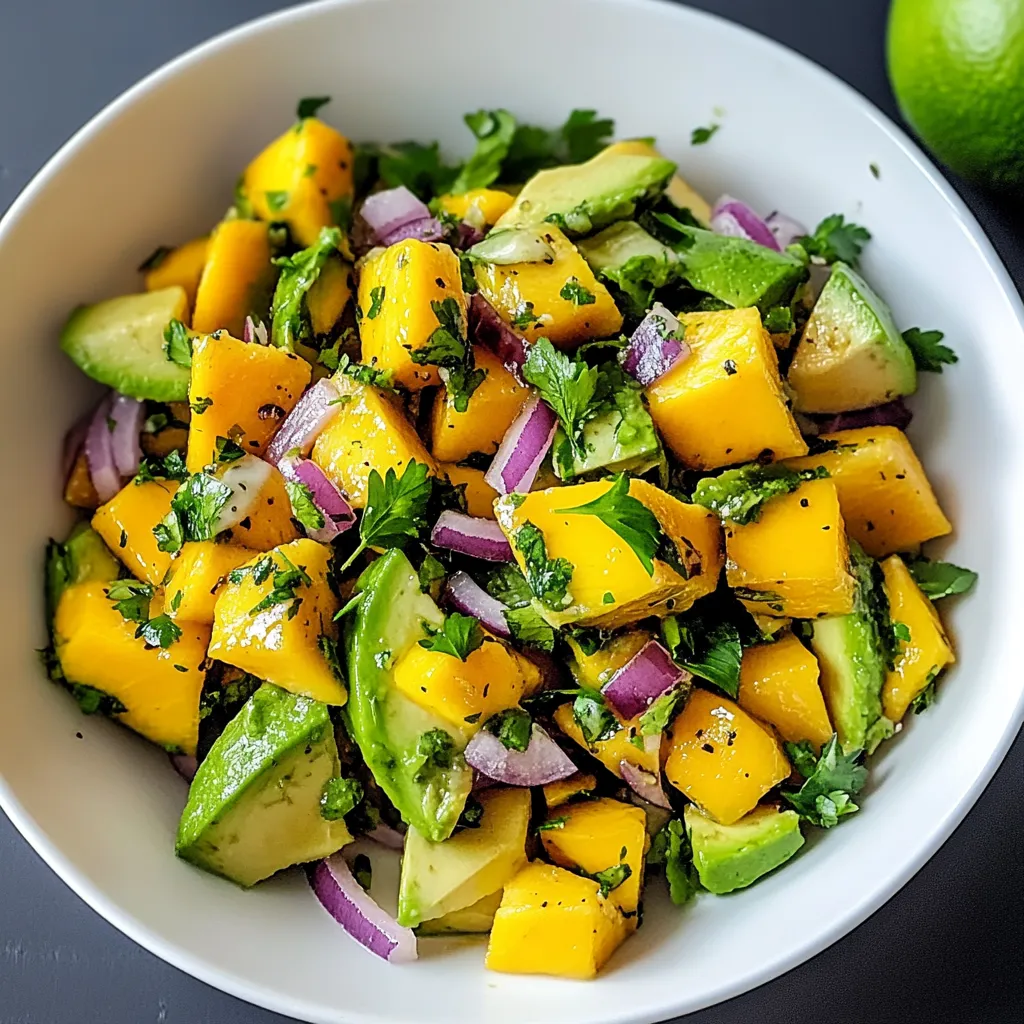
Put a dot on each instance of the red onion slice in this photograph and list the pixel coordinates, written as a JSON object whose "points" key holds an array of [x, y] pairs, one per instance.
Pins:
{"points": [[891, 414], [426, 229], [337, 512], [465, 594], [99, 453], [351, 906], [645, 677], [785, 229], [522, 449], [737, 220], [127, 415], [185, 765], [304, 424], [543, 760], [387, 836], [255, 333], [468, 535], [655, 346], [487, 328], [468, 235], [646, 785], [392, 208]]}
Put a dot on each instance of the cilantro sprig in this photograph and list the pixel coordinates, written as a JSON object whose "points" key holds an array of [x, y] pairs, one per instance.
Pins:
{"points": [[928, 351], [549, 578], [831, 781], [299, 272], [459, 636], [941, 579], [513, 727], [131, 598], [836, 240], [195, 509], [739, 495]]}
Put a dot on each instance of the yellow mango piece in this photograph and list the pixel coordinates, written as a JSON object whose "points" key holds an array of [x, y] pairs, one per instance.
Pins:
{"points": [[886, 499], [269, 523], [181, 266], [197, 574], [239, 391], [598, 834], [303, 179], [725, 403], [793, 561], [485, 204], [370, 431], [779, 685], [618, 747], [79, 490], [329, 294], [159, 686], [492, 407], [560, 792], [397, 292], [237, 279], [594, 670], [610, 586], [721, 758], [551, 921], [478, 492], [489, 680], [925, 654], [678, 190], [528, 295], [126, 523], [282, 642]]}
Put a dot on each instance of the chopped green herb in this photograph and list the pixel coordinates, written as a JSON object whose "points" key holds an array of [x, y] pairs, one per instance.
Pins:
{"points": [[227, 451], [431, 576], [513, 727], [376, 302], [593, 716], [659, 715], [699, 136], [831, 781], [159, 632], [611, 878], [706, 645], [436, 752], [304, 508], [941, 579], [195, 509], [928, 351], [548, 578], [339, 797], [177, 344], [670, 849], [154, 259], [286, 582], [739, 495], [552, 824], [298, 273], [834, 240], [926, 698], [309, 105], [524, 316], [572, 291], [459, 637], [494, 131], [131, 598], [276, 201], [199, 405], [363, 374]]}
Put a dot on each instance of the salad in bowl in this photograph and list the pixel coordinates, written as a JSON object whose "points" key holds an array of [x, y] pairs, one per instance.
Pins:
{"points": [[530, 517]]}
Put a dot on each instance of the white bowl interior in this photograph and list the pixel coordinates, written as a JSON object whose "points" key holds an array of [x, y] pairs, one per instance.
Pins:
{"points": [[159, 166]]}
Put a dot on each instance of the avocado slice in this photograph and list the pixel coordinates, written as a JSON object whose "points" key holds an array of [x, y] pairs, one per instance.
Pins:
{"points": [[850, 355], [254, 805], [852, 658], [580, 198], [119, 342], [394, 734], [476, 919], [82, 558], [729, 857]]}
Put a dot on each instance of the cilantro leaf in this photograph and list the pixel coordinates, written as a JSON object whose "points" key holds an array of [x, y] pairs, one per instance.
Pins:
{"points": [[670, 849], [702, 135], [584, 135], [707, 646], [834, 240], [367, 375], [611, 878], [227, 451], [131, 598], [299, 272], [574, 292], [416, 166], [739, 495], [431, 576], [639, 277], [459, 637], [663, 709], [528, 627], [286, 582], [447, 345], [513, 727], [836, 777], [941, 579], [927, 349], [460, 382], [593, 716], [494, 131], [329, 649], [195, 509], [340, 796], [95, 702], [632, 520], [309, 106], [435, 751], [548, 578], [304, 508], [177, 344], [159, 632], [376, 302]]}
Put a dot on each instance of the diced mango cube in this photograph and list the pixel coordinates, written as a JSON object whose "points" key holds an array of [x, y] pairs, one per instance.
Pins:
{"points": [[562, 791], [618, 747], [779, 685], [793, 561], [269, 523], [529, 295], [886, 499], [487, 204], [724, 403], [182, 266], [329, 294], [79, 490], [197, 574], [721, 758], [594, 670], [126, 523], [478, 492]]}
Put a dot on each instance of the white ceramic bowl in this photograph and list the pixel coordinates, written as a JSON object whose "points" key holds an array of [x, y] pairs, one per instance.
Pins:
{"points": [[158, 165]]}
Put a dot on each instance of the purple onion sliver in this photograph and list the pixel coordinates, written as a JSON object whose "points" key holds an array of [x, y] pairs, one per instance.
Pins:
{"points": [[645, 677], [469, 234], [469, 535], [653, 347], [522, 449], [99, 453], [646, 785], [426, 229], [542, 762], [304, 424], [387, 836], [185, 765], [465, 594], [785, 229], [385, 212], [891, 414], [127, 415], [487, 328], [736, 219]]}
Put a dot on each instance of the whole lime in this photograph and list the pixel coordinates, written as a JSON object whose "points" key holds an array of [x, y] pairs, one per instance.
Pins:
{"points": [[957, 68]]}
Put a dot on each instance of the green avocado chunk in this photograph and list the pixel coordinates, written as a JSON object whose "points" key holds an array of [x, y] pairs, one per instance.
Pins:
{"points": [[729, 857], [850, 355], [254, 805], [82, 558], [119, 342], [580, 198], [415, 756]]}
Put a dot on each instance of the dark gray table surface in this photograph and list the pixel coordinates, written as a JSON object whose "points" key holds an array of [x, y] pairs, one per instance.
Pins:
{"points": [[949, 947]]}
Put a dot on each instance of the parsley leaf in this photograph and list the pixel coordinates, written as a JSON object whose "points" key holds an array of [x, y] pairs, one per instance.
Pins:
{"points": [[513, 727], [304, 508], [195, 509], [508, 585], [548, 578], [572, 291], [447, 345], [739, 495], [299, 272], [459, 637], [707, 646], [834, 240], [834, 779], [927, 349], [177, 344], [632, 520], [309, 105], [340, 796], [699, 136], [494, 131], [941, 579], [670, 849]]}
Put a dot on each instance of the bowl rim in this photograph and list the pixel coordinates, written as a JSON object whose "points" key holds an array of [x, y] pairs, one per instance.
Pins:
{"points": [[267, 997]]}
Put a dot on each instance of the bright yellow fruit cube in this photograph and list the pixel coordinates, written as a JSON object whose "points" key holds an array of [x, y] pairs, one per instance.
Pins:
{"points": [[560, 792], [269, 523], [479, 494], [724, 403], [329, 294], [594, 670], [197, 574], [795, 560], [721, 758], [126, 523], [618, 747], [181, 266], [487, 204]]}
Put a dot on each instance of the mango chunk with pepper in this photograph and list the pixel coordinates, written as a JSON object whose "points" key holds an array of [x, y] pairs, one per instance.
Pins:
{"points": [[303, 179], [369, 432], [794, 560], [551, 921], [925, 654], [609, 585], [559, 298], [239, 391], [492, 407], [411, 304], [485, 205], [237, 278], [618, 747], [479, 494], [724, 403], [126, 523], [886, 499], [272, 617], [721, 758], [779, 685], [269, 522], [159, 686], [599, 834], [196, 576], [182, 266]]}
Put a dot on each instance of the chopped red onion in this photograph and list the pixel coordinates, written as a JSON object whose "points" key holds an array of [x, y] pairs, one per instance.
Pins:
{"points": [[468, 235], [99, 452], [646, 785], [891, 414], [427, 229], [255, 333], [337, 512], [737, 220], [469, 535], [522, 449], [391, 209], [304, 424], [465, 594], [185, 765], [655, 346], [351, 906], [127, 415], [543, 760], [487, 328], [785, 229], [387, 836], [645, 677]]}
